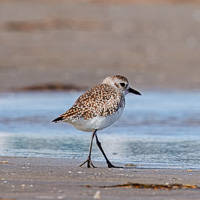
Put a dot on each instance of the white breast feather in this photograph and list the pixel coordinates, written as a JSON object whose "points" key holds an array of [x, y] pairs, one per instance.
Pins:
{"points": [[97, 122]]}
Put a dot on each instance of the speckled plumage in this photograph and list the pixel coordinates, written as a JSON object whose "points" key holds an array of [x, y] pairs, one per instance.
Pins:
{"points": [[102, 100], [100, 106]]}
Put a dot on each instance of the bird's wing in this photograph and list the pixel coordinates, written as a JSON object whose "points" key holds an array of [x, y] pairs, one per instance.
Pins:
{"points": [[101, 100]]}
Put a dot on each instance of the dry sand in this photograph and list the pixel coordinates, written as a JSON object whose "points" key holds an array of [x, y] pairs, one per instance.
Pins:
{"points": [[80, 42], [45, 178]]}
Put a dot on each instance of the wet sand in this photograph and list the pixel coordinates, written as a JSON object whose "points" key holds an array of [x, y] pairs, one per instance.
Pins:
{"points": [[44, 178]]}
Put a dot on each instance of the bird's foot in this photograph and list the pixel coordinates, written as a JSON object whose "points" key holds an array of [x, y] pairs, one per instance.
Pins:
{"points": [[89, 163], [110, 165]]}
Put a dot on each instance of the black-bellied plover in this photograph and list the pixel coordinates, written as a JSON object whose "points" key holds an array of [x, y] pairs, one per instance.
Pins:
{"points": [[98, 108]]}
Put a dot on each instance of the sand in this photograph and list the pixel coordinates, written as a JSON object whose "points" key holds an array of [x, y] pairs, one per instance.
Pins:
{"points": [[48, 178], [80, 42]]}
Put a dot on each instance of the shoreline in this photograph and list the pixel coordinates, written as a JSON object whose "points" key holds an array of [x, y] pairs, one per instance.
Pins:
{"points": [[64, 88], [75, 162], [54, 178]]}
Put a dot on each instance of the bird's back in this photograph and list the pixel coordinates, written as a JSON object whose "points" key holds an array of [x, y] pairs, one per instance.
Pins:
{"points": [[100, 101]]}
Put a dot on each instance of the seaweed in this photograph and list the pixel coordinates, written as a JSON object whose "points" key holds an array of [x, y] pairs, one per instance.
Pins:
{"points": [[174, 186]]}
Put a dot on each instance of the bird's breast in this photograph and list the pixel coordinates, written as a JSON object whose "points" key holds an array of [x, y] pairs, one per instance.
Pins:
{"points": [[98, 122]]}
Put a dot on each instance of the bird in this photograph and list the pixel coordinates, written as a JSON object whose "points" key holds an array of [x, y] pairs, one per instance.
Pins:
{"points": [[98, 108]]}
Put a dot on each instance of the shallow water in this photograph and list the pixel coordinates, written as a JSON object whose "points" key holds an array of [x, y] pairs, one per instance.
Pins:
{"points": [[157, 129]]}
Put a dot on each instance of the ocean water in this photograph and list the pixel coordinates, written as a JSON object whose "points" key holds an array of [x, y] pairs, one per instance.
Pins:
{"points": [[156, 130]]}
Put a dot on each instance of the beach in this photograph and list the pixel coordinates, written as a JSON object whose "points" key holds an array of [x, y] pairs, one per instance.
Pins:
{"points": [[51, 51], [48, 178]]}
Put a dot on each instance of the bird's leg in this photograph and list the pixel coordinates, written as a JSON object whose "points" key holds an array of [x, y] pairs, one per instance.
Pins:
{"points": [[110, 165], [89, 161]]}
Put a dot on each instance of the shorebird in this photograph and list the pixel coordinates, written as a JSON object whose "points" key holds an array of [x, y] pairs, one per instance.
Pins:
{"points": [[98, 108]]}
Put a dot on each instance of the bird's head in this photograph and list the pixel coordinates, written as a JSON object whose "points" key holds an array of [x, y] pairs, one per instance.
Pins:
{"points": [[120, 83]]}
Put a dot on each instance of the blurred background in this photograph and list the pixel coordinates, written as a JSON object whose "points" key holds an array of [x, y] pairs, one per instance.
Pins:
{"points": [[156, 43], [74, 44]]}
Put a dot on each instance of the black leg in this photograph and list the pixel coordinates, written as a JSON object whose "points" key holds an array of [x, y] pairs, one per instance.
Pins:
{"points": [[110, 165], [89, 161]]}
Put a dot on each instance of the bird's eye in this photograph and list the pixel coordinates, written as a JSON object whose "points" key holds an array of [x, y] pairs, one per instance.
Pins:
{"points": [[122, 84]]}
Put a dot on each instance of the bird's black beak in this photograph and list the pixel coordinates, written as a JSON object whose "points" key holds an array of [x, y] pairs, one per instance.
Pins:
{"points": [[131, 90]]}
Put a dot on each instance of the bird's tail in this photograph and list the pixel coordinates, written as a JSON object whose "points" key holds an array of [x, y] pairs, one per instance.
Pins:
{"points": [[58, 119]]}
